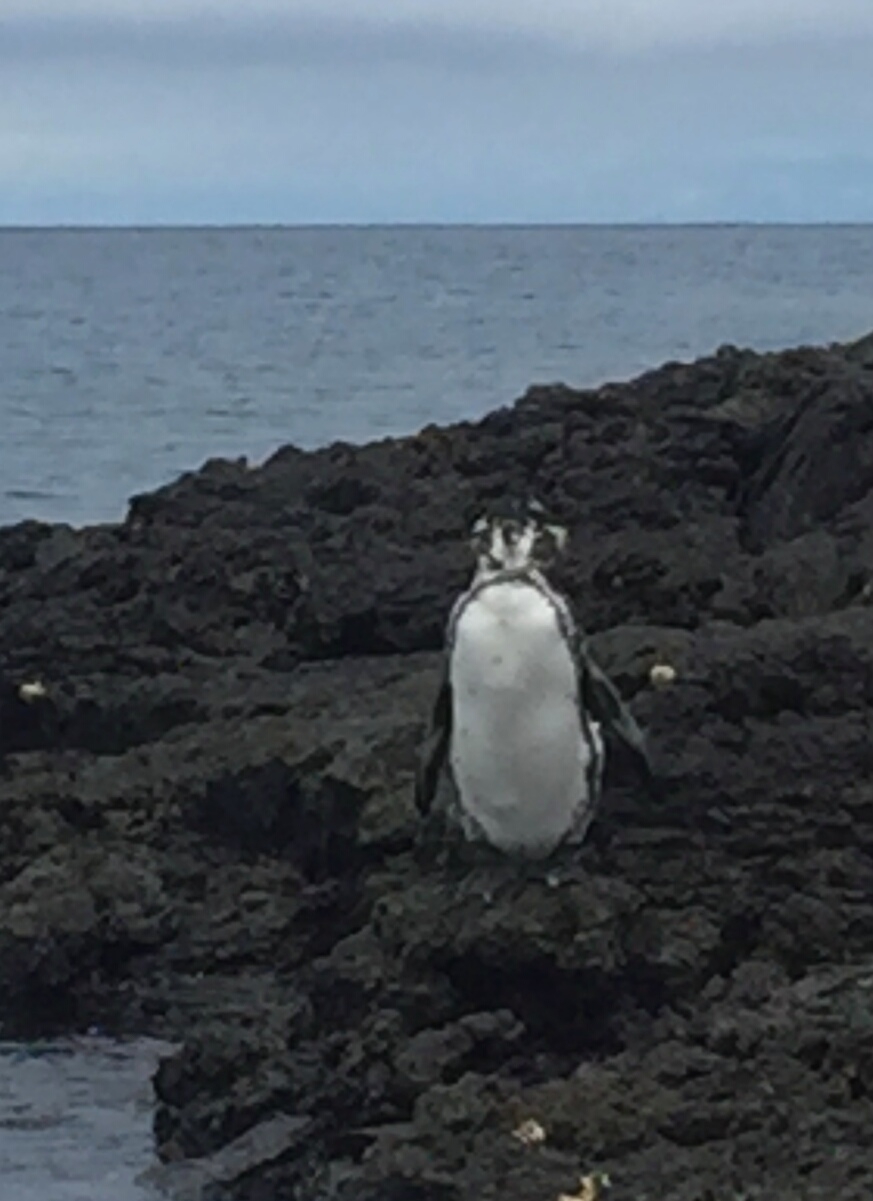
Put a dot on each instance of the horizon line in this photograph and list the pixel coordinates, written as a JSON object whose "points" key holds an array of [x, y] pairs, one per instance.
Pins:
{"points": [[140, 226]]}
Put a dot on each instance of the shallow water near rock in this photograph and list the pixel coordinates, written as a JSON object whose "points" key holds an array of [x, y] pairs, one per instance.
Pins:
{"points": [[76, 1119]]}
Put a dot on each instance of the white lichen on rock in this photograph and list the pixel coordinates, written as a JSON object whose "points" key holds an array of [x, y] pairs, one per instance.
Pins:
{"points": [[530, 1132], [662, 674], [32, 690], [590, 1188]]}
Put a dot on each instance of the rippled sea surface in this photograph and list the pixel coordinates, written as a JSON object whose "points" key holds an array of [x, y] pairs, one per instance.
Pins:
{"points": [[76, 1120], [130, 356]]}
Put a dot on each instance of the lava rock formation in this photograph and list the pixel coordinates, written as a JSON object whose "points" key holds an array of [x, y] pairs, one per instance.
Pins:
{"points": [[207, 829]]}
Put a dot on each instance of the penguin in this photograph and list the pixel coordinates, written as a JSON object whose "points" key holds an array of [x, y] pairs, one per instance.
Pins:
{"points": [[521, 708]]}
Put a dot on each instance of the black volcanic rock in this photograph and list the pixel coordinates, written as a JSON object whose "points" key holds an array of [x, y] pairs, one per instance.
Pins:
{"points": [[206, 827]]}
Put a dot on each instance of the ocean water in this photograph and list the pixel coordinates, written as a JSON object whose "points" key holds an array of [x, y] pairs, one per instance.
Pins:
{"points": [[130, 356], [76, 1120]]}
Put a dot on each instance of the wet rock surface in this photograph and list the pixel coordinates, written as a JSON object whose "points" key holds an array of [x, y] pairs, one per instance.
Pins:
{"points": [[207, 832]]}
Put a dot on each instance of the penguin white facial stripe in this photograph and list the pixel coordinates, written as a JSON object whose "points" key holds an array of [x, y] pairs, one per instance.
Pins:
{"points": [[560, 536]]}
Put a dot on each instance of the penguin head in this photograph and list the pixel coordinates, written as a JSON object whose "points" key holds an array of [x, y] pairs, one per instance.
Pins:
{"points": [[516, 535]]}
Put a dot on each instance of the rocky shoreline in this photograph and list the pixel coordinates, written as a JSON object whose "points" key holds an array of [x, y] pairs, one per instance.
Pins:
{"points": [[206, 827]]}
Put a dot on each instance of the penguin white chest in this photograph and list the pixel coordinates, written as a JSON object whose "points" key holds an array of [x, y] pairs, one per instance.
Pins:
{"points": [[519, 754]]}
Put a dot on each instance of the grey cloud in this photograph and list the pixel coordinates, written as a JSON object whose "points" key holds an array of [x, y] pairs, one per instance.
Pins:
{"points": [[325, 120], [305, 40], [308, 39], [231, 28]]}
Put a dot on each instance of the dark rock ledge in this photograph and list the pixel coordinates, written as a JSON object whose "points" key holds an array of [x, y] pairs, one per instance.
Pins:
{"points": [[206, 830]]}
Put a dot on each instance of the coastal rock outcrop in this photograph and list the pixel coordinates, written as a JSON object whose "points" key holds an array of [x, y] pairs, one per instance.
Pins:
{"points": [[207, 833]]}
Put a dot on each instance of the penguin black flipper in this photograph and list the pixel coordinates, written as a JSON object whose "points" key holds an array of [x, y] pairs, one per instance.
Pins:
{"points": [[602, 701], [432, 755]]}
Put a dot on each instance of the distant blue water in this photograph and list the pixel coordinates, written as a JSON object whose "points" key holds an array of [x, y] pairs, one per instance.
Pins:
{"points": [[129, 356]]}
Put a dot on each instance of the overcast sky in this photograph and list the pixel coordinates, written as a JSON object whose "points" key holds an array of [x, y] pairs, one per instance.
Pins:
{"points": [[141, 111]]}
